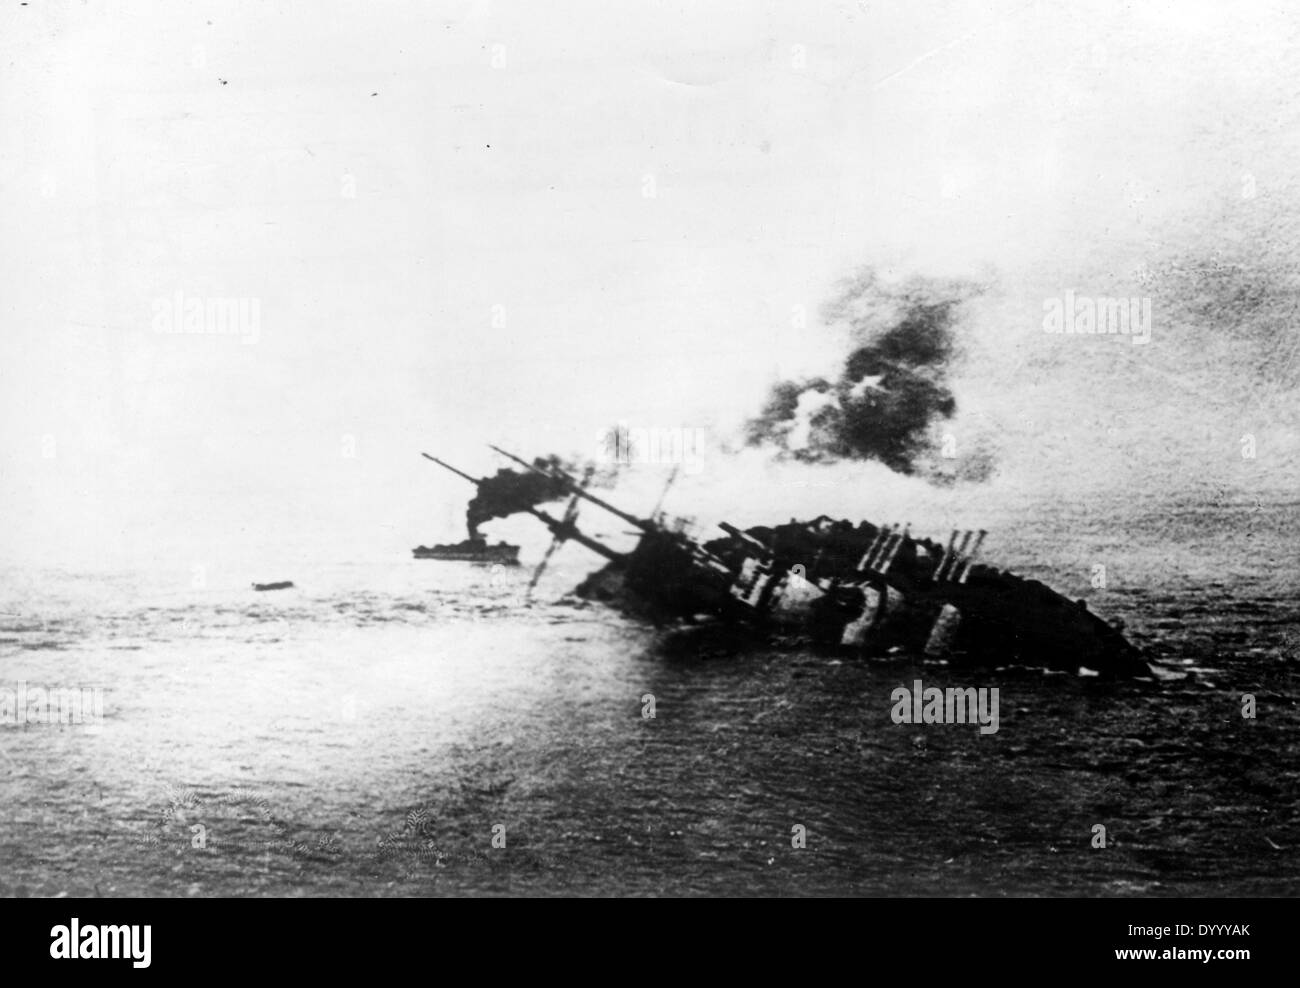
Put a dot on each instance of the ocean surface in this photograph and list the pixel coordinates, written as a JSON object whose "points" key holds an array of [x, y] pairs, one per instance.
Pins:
{"points": [[371, 731]]}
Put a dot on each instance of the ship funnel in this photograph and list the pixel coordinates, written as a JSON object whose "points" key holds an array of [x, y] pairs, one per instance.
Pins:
{"points": [[871, 549], [959, 555], [970, 560], [898, 544], [946, 558], [878, 556]]}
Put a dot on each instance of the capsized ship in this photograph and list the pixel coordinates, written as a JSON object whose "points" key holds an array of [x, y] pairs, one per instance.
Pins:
{"points": [[864, 588]]}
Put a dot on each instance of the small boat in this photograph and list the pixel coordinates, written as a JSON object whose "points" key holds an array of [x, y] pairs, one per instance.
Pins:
{"points": [[282, 585]]}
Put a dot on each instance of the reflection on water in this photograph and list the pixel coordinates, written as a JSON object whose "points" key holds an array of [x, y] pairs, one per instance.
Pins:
{"points": [[369, 732]]}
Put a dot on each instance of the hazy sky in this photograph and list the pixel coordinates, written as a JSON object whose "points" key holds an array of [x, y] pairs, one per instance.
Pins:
{"points": [[519, 223]]}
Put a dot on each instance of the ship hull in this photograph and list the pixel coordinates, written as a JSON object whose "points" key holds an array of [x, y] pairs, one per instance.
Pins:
{"points": [[988, 618], [503, 556]]}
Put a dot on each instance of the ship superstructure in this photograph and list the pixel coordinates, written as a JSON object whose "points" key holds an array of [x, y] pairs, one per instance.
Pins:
{"points": [[865, 588]]}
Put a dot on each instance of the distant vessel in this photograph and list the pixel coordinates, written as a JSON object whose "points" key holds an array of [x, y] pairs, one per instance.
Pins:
{"points": [[281, 585], [475, 550]]}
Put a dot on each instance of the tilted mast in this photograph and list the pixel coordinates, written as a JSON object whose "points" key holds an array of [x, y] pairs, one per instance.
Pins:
{"points": [[563, 530], [555, 473], [572, 486]]}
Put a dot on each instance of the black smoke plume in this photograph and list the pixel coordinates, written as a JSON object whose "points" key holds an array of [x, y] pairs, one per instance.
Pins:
{"points": [[893, 386], [513, 491]]}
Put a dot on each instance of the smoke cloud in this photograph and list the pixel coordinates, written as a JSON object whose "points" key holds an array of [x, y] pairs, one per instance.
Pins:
{"points": [[893, 388], [512, 491]]}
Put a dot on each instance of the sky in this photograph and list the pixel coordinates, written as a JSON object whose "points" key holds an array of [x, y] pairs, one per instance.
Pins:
{"points": [[449, 224]]}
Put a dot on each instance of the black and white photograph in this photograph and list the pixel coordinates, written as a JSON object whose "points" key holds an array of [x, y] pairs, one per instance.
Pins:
{"points": [[743, 449]]}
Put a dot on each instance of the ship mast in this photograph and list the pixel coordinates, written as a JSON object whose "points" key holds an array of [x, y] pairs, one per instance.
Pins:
{"points": [[555, 473], [560, 529]]}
